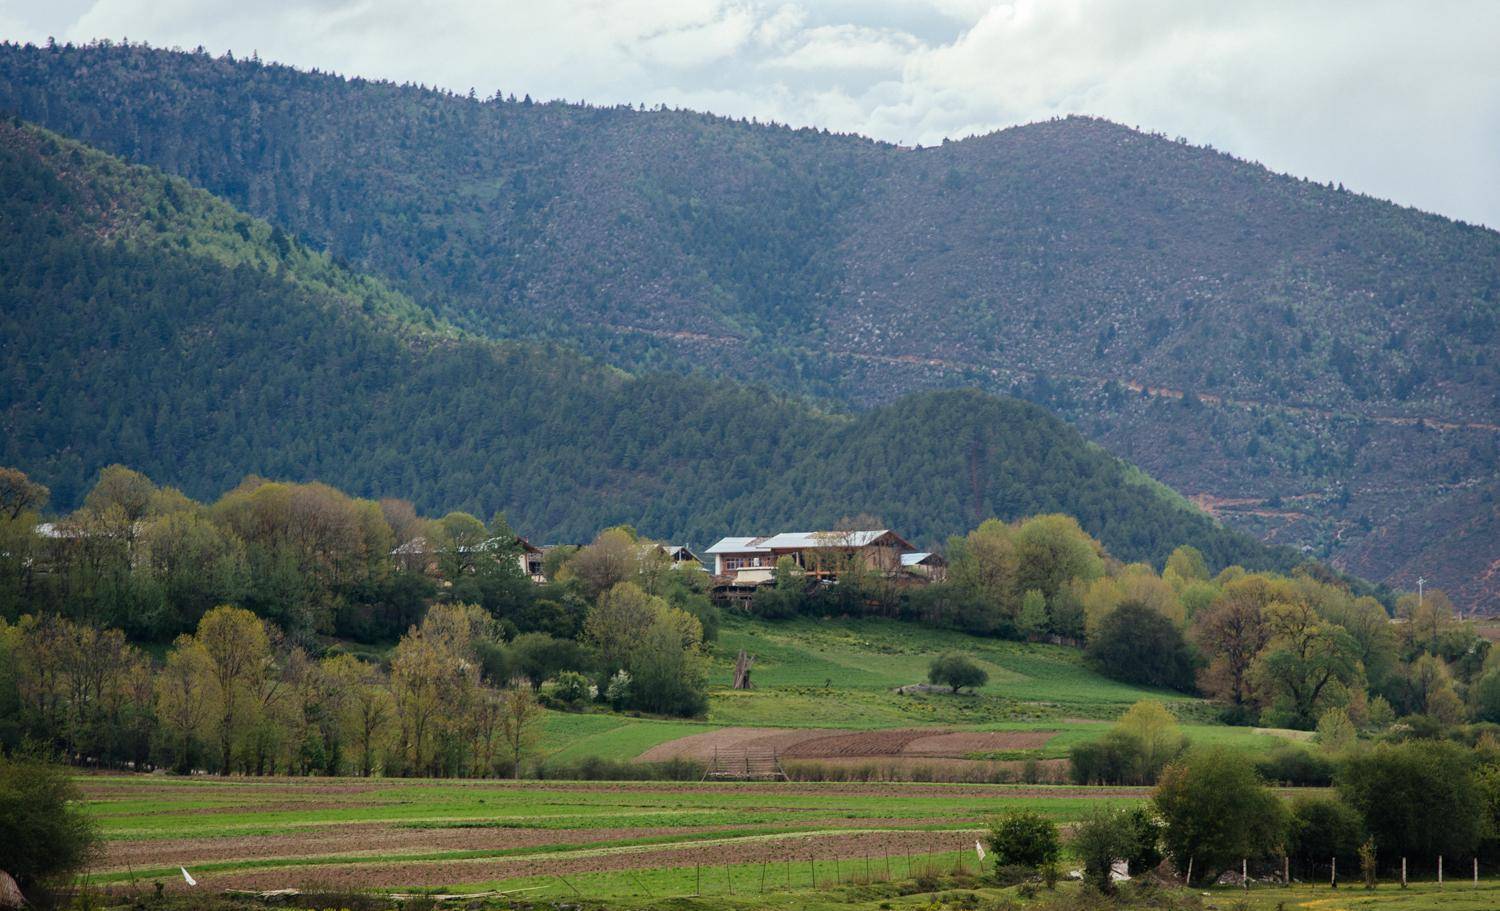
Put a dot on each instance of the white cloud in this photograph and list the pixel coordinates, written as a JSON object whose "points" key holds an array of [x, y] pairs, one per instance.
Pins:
{"points": [[1393, 98]]}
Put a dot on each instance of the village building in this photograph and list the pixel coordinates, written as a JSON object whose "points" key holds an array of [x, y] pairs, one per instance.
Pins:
{"points": [[743, 563], [681, 557], [418, 555], [932, 567]]}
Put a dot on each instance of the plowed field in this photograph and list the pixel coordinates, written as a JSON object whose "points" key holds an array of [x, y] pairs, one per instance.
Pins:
{"points": [[470, 835], [837, 744]]}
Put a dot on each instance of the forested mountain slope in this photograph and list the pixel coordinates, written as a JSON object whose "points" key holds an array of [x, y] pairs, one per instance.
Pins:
{"points": [[149, 323], [1315, 365]]}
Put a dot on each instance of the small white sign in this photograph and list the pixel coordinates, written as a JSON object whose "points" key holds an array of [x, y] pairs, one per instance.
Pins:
{"points": [[188, 876]]}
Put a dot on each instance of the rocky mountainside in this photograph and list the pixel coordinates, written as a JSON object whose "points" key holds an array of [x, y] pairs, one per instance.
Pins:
{"points": [[1312, 365]]}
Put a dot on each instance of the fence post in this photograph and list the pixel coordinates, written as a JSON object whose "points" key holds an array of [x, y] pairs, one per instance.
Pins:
{"points": [[698, 879], [1476, 871], [1286, 870], [1440, 871], [1189, 880], [1245, 874], [1333, 873], [1403, 873]]}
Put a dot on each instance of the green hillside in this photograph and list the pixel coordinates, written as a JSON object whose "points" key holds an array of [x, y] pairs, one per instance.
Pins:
{"points": [[1317, 364], [843, 673], [151, 324]]}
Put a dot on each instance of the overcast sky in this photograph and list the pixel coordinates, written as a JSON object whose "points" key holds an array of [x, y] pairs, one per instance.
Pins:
{"points": [[1397, 99]]}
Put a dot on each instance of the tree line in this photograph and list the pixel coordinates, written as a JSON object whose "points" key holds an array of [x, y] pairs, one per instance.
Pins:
{"points": [[266, 597], [1395, 806]]}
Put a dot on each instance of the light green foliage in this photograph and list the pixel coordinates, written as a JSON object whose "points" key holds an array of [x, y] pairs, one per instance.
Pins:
{"points": [[1307, 665], [1186, 565], [1336, 733], [1052, 549], [1033, 620]]}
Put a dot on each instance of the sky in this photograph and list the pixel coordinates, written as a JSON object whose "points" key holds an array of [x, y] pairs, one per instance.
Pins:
{"points": [[1400, 100]]}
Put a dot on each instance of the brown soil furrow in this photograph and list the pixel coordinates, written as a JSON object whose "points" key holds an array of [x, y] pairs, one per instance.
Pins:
{"points": [[426, 874]]}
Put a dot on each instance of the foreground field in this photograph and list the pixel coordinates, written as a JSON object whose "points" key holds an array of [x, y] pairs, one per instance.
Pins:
{"points": [[546, 837], [733, 846]]}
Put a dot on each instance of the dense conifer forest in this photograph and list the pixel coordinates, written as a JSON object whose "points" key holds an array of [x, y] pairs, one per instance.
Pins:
{"points": [[1316, 365], [150, 324]]}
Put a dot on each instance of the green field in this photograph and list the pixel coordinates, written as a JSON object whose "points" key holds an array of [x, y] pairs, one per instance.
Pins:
{"points": [[843, 674], [639, 845], [687, 844]]}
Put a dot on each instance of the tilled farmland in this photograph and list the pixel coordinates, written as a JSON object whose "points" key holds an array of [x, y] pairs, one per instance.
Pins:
{"points": [[379, 834]]}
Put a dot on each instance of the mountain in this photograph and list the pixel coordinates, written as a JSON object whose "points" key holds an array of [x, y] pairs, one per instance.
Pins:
{"points": [[1309, 364], [150, 323]]}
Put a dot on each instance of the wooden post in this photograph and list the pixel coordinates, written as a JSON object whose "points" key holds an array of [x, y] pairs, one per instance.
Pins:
{"points": [[698, 879], [1403, 873], [837, 876], [1286, 870], [1188, 881], [1245, 874], [1333, 873], [812, 864], [1440, 871], [1476, 871]]}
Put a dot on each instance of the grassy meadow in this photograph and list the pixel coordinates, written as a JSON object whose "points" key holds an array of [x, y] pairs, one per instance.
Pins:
{"points": [[843, 674]]}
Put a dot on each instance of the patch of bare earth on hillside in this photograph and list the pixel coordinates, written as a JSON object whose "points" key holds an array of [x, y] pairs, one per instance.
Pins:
{"points": [[963, 743], [826, 744], [726, 741]]}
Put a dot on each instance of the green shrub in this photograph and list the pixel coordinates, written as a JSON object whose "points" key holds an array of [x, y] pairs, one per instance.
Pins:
{"points": [[1137, 644], [572, 688], [1322, 828], [1297, 767], [1024, 839], [1217, 811], [1109, 760], [1146, 829], [956, 670], [1103, 837], [1417, 799], [43, 835]]}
